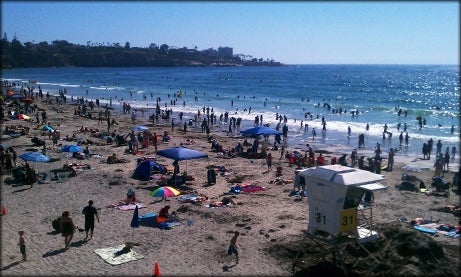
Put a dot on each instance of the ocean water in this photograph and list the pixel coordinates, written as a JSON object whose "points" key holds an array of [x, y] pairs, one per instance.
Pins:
{"points": [[376, 92]]}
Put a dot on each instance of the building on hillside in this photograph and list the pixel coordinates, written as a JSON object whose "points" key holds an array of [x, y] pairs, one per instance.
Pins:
{"points": [[225, 52]]}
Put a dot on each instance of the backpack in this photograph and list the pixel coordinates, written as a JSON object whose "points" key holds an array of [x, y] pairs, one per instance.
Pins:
{"points": [[57, 224]]}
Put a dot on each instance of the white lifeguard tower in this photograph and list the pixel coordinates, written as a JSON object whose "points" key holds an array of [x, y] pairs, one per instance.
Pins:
{"points": [[335, 202]]}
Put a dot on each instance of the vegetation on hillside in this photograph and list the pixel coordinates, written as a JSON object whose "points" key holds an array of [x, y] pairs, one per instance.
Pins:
{"points": [[61, 53]]}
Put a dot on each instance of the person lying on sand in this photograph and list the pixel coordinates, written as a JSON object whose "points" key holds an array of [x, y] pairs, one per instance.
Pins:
{"points": [[225, 201], [114, 159], [454, 209], [422, 221]]}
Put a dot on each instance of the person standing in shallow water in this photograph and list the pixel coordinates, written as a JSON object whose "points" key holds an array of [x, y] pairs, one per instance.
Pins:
{"points": [[406, 139]]}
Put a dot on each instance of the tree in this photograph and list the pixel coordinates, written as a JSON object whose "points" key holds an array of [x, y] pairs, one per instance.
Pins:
{"points": [[16, 44], [164, 48], [127, 45]]}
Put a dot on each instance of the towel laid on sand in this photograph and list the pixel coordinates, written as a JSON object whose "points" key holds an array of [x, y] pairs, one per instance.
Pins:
{"points": [[127, 207], [188, 197], [130, 207], [246, 188], [168, 225], [109, 255]]}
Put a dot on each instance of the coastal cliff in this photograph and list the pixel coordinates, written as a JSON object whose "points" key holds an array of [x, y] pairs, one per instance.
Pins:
{"points": [[61, 53]]}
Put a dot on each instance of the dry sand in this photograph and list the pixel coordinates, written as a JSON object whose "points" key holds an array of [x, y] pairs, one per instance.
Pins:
{"points": [[272, 224]]}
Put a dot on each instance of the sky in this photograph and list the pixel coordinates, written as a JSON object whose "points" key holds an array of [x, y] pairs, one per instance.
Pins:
{"points": [[289, 32]]}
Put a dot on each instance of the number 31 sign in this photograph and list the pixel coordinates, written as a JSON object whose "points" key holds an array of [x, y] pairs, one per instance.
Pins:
{"points": [[348, 220]]}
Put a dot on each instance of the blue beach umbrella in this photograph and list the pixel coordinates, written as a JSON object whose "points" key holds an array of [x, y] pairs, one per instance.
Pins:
{"points": [[260, 131], [181, 153], [34, 157], [17, 96], [140, 128], [71, 148]]}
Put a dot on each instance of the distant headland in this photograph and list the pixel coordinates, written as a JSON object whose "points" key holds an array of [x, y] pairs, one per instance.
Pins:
{"points": [[61, 53]]}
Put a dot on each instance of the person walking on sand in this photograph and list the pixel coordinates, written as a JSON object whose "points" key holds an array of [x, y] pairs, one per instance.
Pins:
{"points": [[67, 228], [155, 141], [282, 151], [269, 161], [90, 212], [108, 124], [233, 247], [446, 159], [22, 245]]}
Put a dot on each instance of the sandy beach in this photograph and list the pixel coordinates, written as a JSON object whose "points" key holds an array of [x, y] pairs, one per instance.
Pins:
{"points": [[272, 222]]}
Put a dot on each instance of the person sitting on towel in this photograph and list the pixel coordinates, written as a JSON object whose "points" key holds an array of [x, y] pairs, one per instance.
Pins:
{"points": [[173, 217], [164, 214], [112, 159]]}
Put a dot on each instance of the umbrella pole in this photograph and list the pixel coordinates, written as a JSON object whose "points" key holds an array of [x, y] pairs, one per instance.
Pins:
{"points": [[132, 234]]}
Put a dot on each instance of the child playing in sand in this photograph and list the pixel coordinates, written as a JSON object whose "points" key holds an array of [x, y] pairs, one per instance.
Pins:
{"points": [[22, 245]]}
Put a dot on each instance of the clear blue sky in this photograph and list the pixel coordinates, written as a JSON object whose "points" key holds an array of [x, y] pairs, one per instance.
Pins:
{"points": [[292, 33]]}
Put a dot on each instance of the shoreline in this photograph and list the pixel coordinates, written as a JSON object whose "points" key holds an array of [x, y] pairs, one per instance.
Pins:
{"points": [[294, 144]]}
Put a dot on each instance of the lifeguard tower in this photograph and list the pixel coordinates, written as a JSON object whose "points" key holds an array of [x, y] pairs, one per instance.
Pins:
{"points": [[337, 203]]}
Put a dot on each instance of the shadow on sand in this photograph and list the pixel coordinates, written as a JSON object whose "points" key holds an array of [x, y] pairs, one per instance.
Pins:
{"points": [[10, 265]]}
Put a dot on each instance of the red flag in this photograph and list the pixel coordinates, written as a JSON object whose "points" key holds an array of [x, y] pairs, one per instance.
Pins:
{"points": [[3, 210]]}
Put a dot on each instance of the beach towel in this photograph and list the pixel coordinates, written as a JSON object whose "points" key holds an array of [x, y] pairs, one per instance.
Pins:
{"points": [[188, 198], [453, 234], [109, 255], [246, 188], [411, 168], [425, 229], [127, 207], [223, 206], [168, 225]]}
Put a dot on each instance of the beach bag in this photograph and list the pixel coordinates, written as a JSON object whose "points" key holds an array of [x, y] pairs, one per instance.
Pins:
{"points": [[57, 224]]}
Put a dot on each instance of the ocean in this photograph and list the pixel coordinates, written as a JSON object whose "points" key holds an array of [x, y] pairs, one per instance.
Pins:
{"points": [[375, 93]]}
